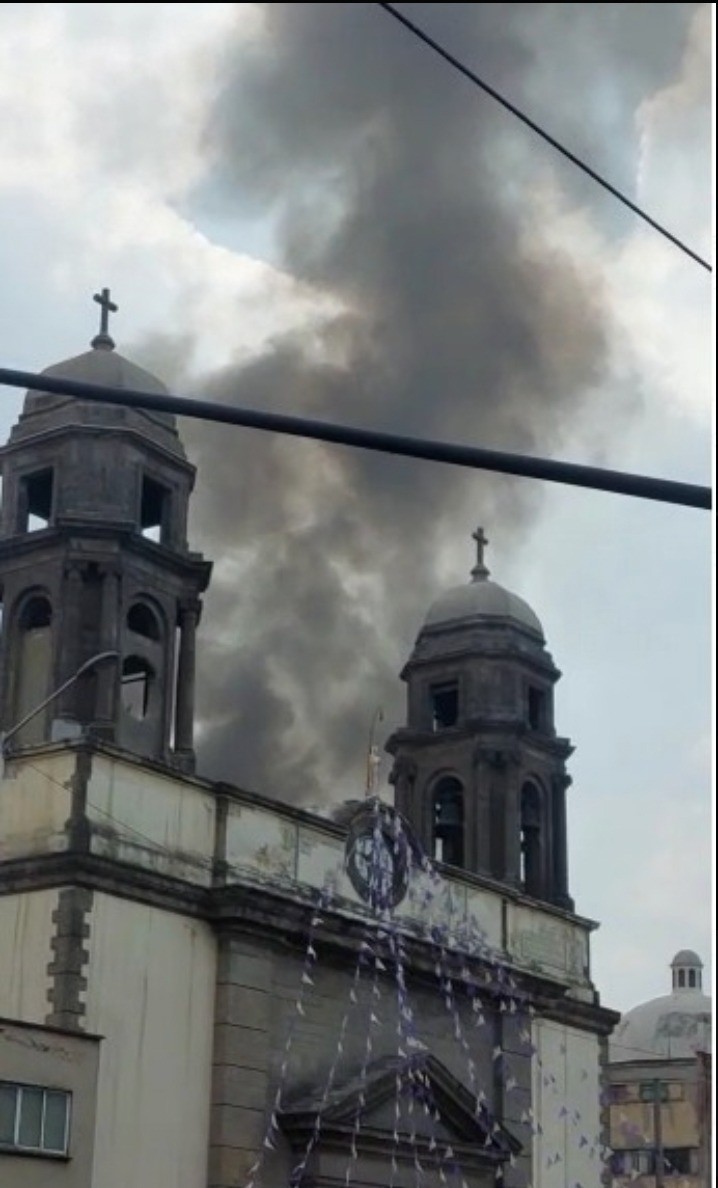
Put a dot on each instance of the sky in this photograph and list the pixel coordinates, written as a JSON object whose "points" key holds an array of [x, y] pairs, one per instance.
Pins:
{"points": [[298, 207]]}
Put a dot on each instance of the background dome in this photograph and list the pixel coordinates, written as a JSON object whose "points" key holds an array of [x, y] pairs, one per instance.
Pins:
{"points": [[674, 1026]]}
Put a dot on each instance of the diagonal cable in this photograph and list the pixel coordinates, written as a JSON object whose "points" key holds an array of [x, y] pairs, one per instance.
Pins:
{"points": [[525, 119]]}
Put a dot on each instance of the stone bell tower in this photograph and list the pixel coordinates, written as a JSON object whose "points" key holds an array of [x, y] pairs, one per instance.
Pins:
{"points": [[94, 559], [478, 769]]}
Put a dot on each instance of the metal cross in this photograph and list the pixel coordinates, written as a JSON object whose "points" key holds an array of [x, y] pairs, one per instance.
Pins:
{"points": [[107, 307], [482, 540]]}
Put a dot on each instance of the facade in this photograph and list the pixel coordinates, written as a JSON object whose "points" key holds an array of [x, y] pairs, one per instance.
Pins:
{"points": [[660, 1084], [227, 990]]}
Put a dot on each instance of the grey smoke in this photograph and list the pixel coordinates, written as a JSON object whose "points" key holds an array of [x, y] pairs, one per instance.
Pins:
{"points": [[394, 186]]}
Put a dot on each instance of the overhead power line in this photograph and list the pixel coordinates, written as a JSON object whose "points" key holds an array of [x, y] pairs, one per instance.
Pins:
{"points": [[473, 457], [582, 165]]}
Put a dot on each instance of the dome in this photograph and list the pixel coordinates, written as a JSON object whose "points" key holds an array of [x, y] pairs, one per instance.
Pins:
{"points": [[100, 365], [687, 958], [482, 599], [46, 412], [674, 1026]]}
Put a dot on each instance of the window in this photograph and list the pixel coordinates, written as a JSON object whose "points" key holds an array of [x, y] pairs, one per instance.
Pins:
{"points": [[35, 506], [647, 1091], [34, 1119], [142, 621], [531, 840], [630, 1163], [620, 1093], [36, 613], [33, 669], [444, 705], [692, 978], [449, 822], [537, 706], [137, 678], [154, 510], [681, 978], [680, 1161]]}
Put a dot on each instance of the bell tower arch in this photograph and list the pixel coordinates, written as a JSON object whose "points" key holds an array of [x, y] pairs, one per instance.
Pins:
{"points": [[94, 558]]}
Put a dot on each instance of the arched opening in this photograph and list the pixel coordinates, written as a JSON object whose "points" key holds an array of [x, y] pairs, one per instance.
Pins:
{"points": [[35, 614], [33, 668], [137, 680], [448, 822], [142, 621], [692, 979], [681, 979], [531, 840]]}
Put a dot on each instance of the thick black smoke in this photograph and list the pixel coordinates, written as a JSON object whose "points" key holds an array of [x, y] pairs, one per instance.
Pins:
{"points": [[396, 188]]}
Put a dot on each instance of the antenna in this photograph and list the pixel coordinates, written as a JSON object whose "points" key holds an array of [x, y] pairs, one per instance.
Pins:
{"points": [[373, 758]]}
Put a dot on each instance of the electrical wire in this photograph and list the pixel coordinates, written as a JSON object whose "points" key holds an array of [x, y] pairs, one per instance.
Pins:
{"points": [[577, 161], [575, 474]]}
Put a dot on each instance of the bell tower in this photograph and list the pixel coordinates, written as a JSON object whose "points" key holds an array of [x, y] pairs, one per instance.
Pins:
{"points": [[479, 770], [94, 561]]}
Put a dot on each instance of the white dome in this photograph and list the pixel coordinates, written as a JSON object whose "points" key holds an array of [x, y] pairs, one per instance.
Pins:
{"points": [[482, 599], [674, 1026]]}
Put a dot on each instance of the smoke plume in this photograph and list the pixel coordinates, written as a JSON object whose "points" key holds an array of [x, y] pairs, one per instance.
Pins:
{"points": [[393, 186]]}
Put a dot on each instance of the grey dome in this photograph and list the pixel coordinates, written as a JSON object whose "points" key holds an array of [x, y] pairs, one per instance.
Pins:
{"points": [[101, 365], [43, 411], [688, 958], [482, 599]]}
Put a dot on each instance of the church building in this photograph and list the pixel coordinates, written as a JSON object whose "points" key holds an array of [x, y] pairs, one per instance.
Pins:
{"points": [[202, 987]]}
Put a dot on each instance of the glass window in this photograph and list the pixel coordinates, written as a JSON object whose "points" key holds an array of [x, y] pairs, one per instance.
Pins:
{"points": [[33, 1118], [680, 1161], [54, 1134], [30, 1129], [8, 1107]]}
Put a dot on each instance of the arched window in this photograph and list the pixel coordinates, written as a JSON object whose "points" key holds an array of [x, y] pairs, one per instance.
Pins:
{"points": [[36, 613], [142, 621], [531, 840], [448, 822], [33, 667], [692, 979], [681, 979], [137, 680]]}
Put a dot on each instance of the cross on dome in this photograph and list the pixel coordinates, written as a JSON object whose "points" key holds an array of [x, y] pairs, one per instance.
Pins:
{"points": [[103, 339], [479, 572]]}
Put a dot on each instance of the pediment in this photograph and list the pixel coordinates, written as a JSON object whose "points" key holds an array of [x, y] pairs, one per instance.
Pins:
{"points": [[450, 1118]]}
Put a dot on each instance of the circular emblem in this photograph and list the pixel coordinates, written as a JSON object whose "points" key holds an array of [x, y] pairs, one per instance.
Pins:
{"points": [[378, 856]]}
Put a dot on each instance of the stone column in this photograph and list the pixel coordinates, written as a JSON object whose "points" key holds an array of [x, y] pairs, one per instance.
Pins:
{"points": [[66, 628], [243, 1047], [106, 705], [505, 821], [184, 702], [560, 894]]}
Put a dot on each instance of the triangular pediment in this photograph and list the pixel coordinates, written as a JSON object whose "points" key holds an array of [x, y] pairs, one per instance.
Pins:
{"points": [[434, 1105]]}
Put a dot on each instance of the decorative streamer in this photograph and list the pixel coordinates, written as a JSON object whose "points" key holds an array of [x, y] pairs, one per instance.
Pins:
{"points": [[324, 901], [365, 951]]}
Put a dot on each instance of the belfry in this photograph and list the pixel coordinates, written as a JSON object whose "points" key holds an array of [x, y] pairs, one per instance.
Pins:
{"points": [[94, 562]]}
